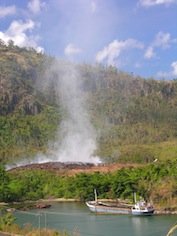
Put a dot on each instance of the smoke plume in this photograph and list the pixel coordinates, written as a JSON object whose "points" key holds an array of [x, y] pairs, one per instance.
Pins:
{"points": [[76, 136]]}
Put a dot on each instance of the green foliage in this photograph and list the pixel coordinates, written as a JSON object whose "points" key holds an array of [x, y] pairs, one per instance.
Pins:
{"points": [[25, 135], [5, 194], [157, 182], [6, 220]]}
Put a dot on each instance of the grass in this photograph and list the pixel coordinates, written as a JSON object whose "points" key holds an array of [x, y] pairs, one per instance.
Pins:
{"points": [[145, 153]]}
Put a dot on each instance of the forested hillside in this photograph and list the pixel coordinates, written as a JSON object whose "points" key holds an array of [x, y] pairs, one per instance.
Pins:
{"points": [[135, 118], [27, 119]]}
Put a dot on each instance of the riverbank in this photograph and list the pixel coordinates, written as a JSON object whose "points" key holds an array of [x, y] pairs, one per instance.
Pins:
{"points": [[46, 203]]}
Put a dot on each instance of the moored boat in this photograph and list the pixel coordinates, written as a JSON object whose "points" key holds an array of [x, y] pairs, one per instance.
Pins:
{"points": [[100, 207], [108, 208], [141, 208]]}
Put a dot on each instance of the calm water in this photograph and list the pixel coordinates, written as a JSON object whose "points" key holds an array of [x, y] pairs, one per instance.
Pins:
{"points": [[76, 218]]}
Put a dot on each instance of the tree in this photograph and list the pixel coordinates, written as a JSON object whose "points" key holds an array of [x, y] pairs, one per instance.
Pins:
{"points": [[4, 188]]}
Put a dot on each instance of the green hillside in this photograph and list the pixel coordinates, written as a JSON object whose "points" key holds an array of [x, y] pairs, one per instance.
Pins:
{"points": [[136, 118], [27, 118]]}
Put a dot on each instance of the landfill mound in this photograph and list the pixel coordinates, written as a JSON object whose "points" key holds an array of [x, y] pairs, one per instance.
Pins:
{"points": [[71, 168]]}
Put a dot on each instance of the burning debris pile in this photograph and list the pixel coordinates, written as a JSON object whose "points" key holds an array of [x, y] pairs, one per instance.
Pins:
{"points": [[72, 168], [55, 166]]}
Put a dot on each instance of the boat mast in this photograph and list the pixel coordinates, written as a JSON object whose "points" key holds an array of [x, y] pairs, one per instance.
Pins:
{"points": [[134, 194], [96, 199]]}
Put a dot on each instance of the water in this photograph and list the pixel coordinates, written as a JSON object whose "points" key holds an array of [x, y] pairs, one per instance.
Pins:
{"points": [[77, 219]]}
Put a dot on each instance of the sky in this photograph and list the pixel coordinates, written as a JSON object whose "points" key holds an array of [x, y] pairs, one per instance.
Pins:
{"points": [[136, 36]]}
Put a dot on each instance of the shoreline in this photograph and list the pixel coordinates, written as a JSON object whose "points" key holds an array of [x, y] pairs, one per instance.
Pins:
{"points": [[158, 211]]}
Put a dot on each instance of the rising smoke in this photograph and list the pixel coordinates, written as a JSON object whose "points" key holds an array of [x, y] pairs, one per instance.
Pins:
{"points": [[76, 136]]}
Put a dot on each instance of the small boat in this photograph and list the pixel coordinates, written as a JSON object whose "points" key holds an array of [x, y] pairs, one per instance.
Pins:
{"points": [[42, 205], [141, 208], [10, 210]]}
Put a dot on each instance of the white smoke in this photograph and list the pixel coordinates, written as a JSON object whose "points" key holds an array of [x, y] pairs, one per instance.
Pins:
{"points": [[76, 136]]}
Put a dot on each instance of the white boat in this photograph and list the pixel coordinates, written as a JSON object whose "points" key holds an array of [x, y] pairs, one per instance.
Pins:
{"points": [[141, 208]]}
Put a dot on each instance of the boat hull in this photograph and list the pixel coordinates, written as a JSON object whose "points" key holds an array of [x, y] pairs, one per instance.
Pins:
{"points": [[142, 213], [108, 209], [105, 209]]}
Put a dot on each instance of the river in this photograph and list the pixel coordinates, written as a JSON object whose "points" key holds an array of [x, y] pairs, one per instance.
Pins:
{"points": [[77, 219]]}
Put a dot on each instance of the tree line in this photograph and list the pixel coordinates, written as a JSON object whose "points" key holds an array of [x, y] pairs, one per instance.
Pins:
{"points": [[156, 182]]}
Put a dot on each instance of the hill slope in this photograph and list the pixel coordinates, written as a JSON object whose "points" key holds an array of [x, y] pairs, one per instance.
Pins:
{"points": [[136, 118], [27, 119]]}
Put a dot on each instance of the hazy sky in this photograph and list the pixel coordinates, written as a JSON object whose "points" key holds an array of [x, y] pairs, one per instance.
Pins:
{"points": [[138, 36]]}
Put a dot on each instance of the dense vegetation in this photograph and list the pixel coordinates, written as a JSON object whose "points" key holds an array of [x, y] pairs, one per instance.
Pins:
{"points": [[27, 118], [136, 118], [155, 182]]}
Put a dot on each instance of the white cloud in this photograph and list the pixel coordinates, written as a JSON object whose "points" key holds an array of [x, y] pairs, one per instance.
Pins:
{"points": [[111, 53], [19, 27], [17, 32], [137, 65], [35, 6], [162, 40], [149, 3], [93, 6], [174, 68], [170, 74], [149, 53], [71, 49], [6, 11]]}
